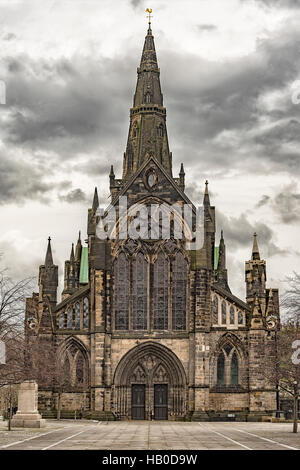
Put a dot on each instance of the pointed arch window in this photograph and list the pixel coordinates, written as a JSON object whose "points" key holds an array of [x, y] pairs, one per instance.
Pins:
{"points": [[86, 313], [215, 310], [234, 370], [240, 318], [161, 292], [221, 369], [139, 292], [69, 318], [121, 297], [148, 98], [232, 316], [179, 281], [77, 315], [224, 311]]}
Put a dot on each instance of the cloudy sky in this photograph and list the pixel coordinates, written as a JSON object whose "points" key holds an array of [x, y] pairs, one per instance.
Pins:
{"points": [[229, 70]]}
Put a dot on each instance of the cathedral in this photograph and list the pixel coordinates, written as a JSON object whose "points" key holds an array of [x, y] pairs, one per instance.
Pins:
{"points": [[147, 327]]}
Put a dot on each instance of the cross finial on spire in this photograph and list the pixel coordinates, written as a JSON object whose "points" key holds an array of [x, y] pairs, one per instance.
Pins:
{"points": [[48, 258], [206, 195], [255, 250]]}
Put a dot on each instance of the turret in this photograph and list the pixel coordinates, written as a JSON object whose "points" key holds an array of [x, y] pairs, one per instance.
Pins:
{"points": [[181, 177], [91, 225], [72, 271], [255, 276], [48, 277], [221, 274]]}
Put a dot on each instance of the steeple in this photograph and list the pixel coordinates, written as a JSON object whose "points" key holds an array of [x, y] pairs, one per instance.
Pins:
{"points": [[222, 278], [222, 255], [147, 130], [72, 256], [182, 177], [95, 201], [255, 276], [78, 249], [48, 277], [206, 201], [49, 258], [255, 250]]}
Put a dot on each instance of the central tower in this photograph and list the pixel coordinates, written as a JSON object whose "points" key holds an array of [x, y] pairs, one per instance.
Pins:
{"points": [[147, 129]]}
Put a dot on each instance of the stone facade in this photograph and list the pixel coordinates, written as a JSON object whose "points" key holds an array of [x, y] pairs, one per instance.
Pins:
{"points": [[149, 328]]}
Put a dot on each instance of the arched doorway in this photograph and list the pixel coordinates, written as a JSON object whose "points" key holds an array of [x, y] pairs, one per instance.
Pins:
{"points": [[150, 383]]}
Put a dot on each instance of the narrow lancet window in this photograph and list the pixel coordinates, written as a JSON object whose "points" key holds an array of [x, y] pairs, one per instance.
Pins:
{"points": [[160, 292]]}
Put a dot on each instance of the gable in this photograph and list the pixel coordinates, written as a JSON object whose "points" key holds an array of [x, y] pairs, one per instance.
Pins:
{"points": [[139, 186]]}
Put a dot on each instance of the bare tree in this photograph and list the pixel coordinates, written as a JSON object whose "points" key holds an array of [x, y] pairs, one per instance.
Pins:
{"points": [[283, 370], [290, 301], [12, 313]]}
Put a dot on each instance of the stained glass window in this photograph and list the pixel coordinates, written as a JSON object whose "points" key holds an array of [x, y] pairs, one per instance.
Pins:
{"points": [[179, 281], [139, 292], [69, 318], [86, 316], [224, 308], [240, 318], [232, 316], [221, 370], [160, 292], [215, 310], [77, 315], [121, 294], [234, 371]]}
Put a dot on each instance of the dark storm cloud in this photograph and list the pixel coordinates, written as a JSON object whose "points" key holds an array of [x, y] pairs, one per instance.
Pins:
{"points": [[20, 181], [65, 106], [285, 204], [70, 108], [263, 201], [238, 233], [73, 196], [215, 107]]}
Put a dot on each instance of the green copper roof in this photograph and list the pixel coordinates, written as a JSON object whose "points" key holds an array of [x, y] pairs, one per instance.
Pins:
{"points": [[216, 257], [84, 266]]}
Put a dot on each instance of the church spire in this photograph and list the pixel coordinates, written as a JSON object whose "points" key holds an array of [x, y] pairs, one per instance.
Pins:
{"points": [[72, 256], [255, 250], [49, 258], [222, 278], [78, 248], [147, 135], [206, 201], [95, 201]]}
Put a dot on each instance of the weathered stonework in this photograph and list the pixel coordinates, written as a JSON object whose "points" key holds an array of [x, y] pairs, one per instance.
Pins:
{"points": [[120, 331]]}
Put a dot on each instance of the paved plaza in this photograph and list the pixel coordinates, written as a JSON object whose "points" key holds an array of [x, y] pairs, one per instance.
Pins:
{"points": [[155, 435]]}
